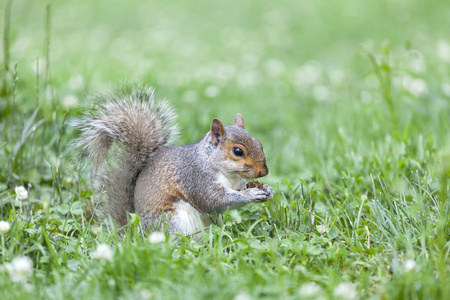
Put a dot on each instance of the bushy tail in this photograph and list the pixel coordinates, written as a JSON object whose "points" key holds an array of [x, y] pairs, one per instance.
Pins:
{"points": [[117, 134]]}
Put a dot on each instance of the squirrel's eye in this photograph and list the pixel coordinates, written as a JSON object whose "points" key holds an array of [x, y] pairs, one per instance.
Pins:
{"points": [[238, 152]]}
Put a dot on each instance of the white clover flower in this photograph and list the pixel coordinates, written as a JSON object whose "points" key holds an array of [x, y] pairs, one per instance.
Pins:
{"points": [[417, 65], [405, 81], [364, 197], [308, 74], [322, 229], [336, 76], [111, 282], [274, 67], [366, 97], [243, 296], [103, 253], [76, 82], [446, 88], [69, 101], [157, 237], [345, 290], [190, 96], [309, 290], [416, 86], [211, 91], [248, 79], [410, 265], [145, 294], [224, 71], [20, 269], [21, 193], [443, 50], [321, 92], [4, 227]]}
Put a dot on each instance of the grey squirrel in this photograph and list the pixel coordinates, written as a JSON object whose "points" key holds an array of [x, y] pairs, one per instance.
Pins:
{"points": [[124, 137]]}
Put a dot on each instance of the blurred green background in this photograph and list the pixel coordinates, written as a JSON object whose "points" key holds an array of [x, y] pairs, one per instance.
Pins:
{"points": [[297, 70]]}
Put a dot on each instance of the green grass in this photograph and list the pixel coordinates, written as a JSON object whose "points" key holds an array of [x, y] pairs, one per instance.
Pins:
{"points": [[349, 98]]}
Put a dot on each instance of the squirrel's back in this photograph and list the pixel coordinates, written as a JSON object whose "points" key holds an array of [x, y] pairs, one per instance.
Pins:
{"points": [[118, 133]]}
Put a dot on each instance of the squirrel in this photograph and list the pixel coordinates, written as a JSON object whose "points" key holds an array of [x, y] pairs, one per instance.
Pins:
{"points": [[125, 138]]}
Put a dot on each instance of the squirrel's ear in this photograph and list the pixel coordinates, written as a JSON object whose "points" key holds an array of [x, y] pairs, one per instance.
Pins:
{"points": [[217, 131], [239, 121]]}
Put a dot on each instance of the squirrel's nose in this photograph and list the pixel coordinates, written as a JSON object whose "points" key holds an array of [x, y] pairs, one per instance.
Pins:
{"points": [[264, 171]]}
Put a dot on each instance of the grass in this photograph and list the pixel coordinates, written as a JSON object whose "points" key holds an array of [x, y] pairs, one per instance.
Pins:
{"points": [[351, 103]]}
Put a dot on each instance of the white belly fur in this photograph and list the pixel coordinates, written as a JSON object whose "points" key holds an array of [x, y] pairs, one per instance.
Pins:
{"points": [[188, 220]]}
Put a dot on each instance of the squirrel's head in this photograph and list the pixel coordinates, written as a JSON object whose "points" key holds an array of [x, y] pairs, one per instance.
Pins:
{"points": [[241, 152]]}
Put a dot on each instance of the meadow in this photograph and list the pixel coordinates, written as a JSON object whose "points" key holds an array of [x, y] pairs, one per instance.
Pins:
{"points": [[350, 100]]}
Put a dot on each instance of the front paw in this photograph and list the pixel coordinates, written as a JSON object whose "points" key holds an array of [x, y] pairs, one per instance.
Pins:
{"points": [[269, 190], [257, 195]]}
